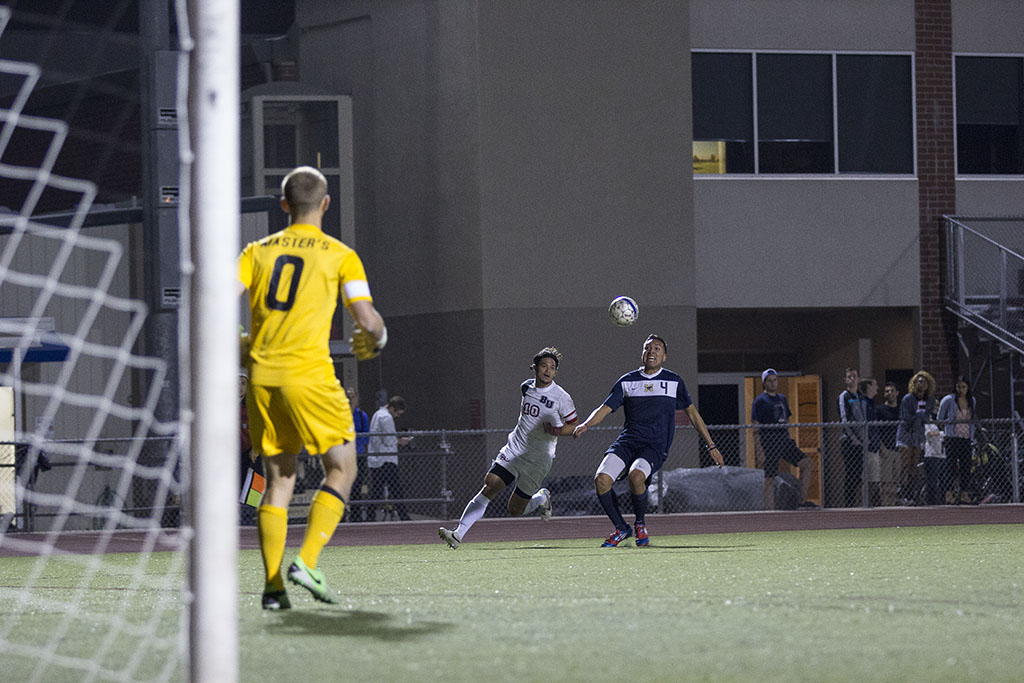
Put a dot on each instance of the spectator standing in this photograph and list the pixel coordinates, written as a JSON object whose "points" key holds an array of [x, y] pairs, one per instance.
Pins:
{"points": [[384, 472], [889, 411], [357, 513], [851, 412], [772, 443], [868, 389], [957, 415], [916, 410]]}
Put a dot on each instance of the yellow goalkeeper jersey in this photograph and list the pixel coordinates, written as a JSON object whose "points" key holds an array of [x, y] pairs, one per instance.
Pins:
{"points": [[294, 278]]}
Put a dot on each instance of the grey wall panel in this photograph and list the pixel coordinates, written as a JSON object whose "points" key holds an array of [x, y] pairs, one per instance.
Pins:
{"points": [[806, 243], [988, 26], [585, 167], [886, 25], [410, 70], [990, 197], [518, 164], [436, 362]]}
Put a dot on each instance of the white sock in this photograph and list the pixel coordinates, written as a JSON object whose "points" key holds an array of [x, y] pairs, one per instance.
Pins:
{"points": [[475, 509], [535, 502]]}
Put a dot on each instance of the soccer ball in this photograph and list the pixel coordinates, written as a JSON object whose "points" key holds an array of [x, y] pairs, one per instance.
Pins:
{"points": [[623, 311]]}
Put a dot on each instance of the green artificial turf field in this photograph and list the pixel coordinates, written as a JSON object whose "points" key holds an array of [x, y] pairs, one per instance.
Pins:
{"points": [[903, 604], [923, 604]]}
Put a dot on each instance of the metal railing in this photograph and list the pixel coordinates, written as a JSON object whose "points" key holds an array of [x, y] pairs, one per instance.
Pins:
{"points": [[985, 275]]}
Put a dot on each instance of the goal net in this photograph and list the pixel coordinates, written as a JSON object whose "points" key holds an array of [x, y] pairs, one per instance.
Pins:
{"points": [[98, 383]]}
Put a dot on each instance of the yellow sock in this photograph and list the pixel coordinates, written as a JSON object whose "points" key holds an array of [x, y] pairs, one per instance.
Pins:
{"points": [[273, 528], [324, 514]]}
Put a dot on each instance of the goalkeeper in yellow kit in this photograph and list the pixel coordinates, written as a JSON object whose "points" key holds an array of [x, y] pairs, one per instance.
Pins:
{"points": [[295, 401]]}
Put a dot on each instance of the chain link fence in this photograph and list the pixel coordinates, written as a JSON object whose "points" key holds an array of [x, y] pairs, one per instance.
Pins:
{"points": [[120, 483], [74, 485], [852, 467]]}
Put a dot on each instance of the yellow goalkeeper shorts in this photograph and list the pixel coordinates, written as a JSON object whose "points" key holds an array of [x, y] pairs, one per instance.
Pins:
{"points": [[289, 418]]}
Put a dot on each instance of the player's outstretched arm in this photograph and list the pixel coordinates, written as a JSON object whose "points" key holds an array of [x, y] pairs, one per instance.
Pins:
{"points": [[565, 430], [600, 413]]}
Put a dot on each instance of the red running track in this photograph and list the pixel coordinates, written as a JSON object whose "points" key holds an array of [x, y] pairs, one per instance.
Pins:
{"points": [[532, 529]]}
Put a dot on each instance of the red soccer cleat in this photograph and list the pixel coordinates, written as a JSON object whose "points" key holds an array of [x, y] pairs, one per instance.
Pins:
{"points": [[617, 538]]}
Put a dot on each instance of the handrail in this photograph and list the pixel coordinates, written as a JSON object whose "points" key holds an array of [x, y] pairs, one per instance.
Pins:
{"points": [[1001, 247]]}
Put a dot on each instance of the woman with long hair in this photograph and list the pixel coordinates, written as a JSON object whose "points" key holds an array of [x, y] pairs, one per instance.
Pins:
{"points": [[957, 415], [916, 410]]}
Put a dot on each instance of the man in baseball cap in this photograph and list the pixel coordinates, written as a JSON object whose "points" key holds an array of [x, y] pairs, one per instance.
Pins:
{"points": [[770, 412]]}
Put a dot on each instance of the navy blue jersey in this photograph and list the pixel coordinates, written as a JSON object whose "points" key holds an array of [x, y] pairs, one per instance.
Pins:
{"points": [[769, 410], [649, 405]]}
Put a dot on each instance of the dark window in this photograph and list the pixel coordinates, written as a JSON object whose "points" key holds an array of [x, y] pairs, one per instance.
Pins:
{"points": [[989, 122], [797, 124], [875, 114], [723, 110], [794, 113]]}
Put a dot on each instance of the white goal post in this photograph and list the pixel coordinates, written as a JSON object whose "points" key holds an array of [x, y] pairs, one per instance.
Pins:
{"points": [[210, 174]]}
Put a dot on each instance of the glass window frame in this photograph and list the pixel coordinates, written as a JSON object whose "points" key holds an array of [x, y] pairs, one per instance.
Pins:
{"points": [[836, 141], [956, 117]]}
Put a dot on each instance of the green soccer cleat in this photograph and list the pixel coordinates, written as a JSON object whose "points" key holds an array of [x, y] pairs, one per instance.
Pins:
{"points": [[310, 579], [275, 599]]}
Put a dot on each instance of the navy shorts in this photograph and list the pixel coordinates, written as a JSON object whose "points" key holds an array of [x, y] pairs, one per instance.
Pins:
{"points": [[780, 449]]}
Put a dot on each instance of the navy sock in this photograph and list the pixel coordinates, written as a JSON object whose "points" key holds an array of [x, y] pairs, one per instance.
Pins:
{"points": [[611, 508], [639, 506]]}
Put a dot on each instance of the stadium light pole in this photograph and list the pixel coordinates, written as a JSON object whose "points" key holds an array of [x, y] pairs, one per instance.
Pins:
{"points": [[213, 292]]}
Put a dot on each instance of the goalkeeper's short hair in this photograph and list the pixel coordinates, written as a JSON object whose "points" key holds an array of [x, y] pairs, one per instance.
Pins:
{"points": [[304, 188]]}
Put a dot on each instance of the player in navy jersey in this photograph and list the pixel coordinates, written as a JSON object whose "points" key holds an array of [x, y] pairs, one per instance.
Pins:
{"points": [[545, 413], [650, 397]]}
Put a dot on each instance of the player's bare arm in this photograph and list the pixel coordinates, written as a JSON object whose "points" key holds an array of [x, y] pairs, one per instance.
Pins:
{"points": [[600, 413], [565, 430], [698, 423]]}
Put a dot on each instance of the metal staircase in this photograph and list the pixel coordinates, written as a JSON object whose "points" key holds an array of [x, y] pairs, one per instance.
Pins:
{"points": [[985, 291]]}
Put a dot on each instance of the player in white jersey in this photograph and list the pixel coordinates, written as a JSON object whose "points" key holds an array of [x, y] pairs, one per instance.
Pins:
{"points": [[546, 412]]}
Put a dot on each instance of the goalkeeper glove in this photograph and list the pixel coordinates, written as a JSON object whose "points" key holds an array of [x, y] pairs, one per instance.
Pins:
{"points": [[366, 346]]}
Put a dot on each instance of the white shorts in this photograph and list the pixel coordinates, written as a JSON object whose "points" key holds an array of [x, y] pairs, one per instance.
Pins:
{"points": [[613, 465], [528, 469]]}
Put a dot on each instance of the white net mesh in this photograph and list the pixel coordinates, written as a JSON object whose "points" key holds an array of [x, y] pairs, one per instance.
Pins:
{"points": [[92, 562]]}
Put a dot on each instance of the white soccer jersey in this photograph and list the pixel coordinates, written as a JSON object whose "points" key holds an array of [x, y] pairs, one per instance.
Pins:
{"points": [[553, 405]]}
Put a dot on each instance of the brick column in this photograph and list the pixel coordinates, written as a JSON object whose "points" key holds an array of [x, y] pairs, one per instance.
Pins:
{"points": [[936, 168]]}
